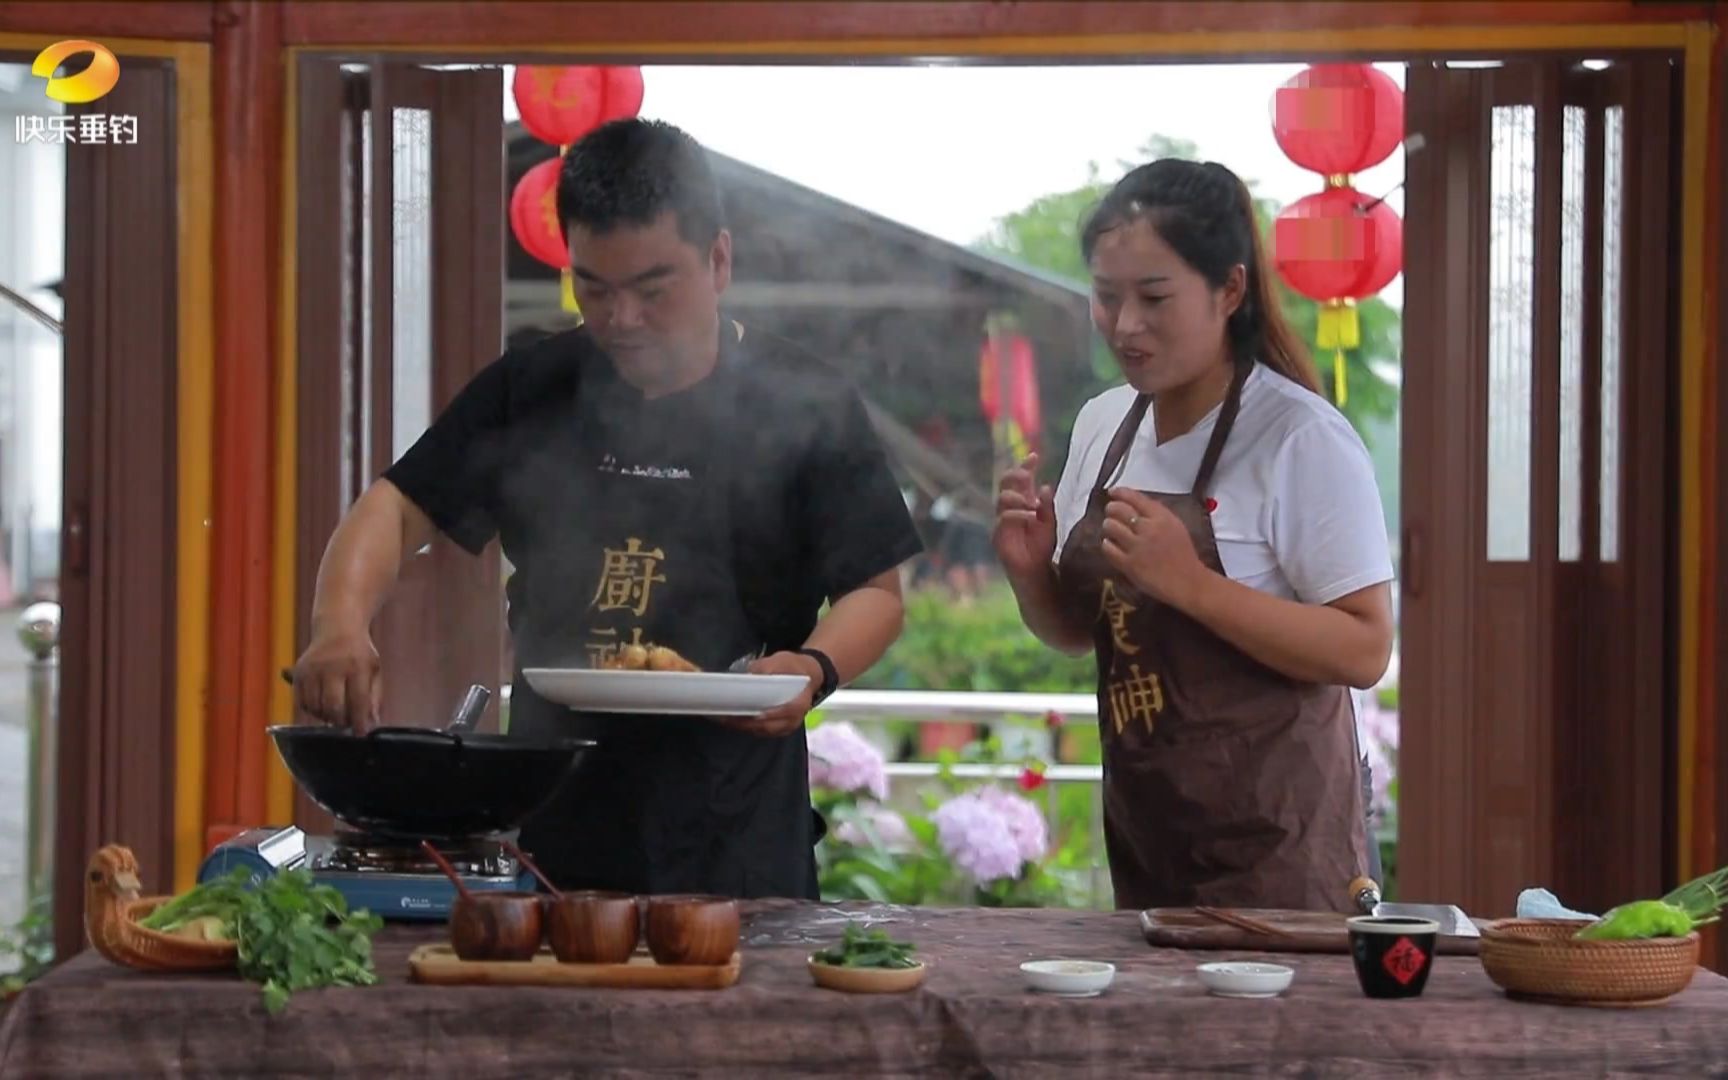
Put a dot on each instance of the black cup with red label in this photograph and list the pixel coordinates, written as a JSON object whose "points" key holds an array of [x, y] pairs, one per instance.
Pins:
{"points": [[1393, 954]]}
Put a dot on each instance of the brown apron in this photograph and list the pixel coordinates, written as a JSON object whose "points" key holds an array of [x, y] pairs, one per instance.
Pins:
{"points": [[1225, 782]]}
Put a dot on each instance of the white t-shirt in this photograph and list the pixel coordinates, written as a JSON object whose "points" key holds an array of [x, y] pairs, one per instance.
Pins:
{"points": [[1298, 514]]}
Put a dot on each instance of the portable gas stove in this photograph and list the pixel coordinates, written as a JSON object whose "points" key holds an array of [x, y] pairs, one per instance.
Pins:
{"points": [[390, 876]]}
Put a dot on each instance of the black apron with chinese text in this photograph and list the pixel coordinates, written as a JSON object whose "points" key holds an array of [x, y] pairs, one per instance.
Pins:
{"points": [[664, 804], [1225, 782]]}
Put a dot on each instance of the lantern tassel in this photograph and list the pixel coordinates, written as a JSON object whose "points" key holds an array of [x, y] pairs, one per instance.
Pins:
{"points": [[567, 284], [1338, 328], [567, 292]]}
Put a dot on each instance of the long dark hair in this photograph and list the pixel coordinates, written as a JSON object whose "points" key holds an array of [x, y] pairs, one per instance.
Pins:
{"points": [[1206, 213]]}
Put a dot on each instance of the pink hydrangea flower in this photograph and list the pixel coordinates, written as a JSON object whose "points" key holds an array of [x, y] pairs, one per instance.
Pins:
{"points": [[888, 827], [1380, 737], [1025, 824], [1380, 725], [976, 836], [843, 761]]}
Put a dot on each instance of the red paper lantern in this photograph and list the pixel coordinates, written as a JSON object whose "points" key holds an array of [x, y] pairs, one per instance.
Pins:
{"points": [[1024, 409], [534, 215], [1338, 118], [623, 93], [559, 105], [1338, 244]]}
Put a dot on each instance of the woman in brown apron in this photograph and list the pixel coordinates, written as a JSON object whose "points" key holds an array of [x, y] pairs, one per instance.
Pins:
{"points": [[1231, 771]]}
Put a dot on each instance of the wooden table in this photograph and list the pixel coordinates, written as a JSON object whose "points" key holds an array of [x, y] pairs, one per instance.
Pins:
{"points": [[972, 1018]]}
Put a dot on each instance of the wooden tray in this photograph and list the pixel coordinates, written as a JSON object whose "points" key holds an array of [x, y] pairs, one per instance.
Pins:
{"points": [[438, 965], [1308, 932]]}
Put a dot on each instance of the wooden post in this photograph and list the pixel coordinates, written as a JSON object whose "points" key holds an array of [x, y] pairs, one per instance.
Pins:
{"points": [[248, 106]]}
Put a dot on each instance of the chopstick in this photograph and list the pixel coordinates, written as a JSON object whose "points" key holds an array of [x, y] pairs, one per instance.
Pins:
{"points": [[1243, 922]]}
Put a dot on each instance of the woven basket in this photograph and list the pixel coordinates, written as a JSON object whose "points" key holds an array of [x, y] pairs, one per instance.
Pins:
{"points": [[152, 950], [1541, 959]]}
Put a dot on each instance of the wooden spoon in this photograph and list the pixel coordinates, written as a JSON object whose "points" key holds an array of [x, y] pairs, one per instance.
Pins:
{"points": [[449, 871], [522, 857]]}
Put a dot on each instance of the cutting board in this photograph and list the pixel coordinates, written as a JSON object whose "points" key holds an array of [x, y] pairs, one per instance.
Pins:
{"points": [[439, 965], [1306, 932]]}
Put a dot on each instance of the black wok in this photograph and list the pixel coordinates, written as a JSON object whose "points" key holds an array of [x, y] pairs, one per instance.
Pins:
{"points": [[424, 783]]}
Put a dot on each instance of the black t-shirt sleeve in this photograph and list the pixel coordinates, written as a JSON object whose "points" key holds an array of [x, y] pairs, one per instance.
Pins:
{"points": [[452, 471], [855, 517]]}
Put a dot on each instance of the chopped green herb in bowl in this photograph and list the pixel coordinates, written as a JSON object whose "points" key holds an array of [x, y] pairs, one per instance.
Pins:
{"points": [[861, 948]]}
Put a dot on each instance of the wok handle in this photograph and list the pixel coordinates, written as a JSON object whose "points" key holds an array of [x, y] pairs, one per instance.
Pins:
{"points": [[413, 734]]}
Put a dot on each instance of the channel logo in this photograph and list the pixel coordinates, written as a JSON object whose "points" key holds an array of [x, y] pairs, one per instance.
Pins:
{"points": [[91, 84]]}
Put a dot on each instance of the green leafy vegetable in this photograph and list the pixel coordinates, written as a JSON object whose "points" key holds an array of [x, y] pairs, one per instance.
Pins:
{"points": [[860, 948], [220, 899], [1639, 919], [1702, 898], [1694, 904], [291, 934]]}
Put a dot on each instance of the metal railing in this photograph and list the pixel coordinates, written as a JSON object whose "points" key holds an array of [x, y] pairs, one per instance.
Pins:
{"points": [[39, 630]]}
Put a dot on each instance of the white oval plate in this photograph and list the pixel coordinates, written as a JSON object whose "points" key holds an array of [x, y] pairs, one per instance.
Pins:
{"points": [[1068, 978], [1246, 980], [672, 693]]}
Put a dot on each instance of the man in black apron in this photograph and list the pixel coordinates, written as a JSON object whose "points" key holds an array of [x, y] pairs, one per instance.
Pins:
{"points": [[661, 475]]}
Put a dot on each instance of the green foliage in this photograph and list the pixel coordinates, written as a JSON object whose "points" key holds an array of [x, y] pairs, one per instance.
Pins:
{"points": [[1046, 235], [29, 945], [977, 645]]}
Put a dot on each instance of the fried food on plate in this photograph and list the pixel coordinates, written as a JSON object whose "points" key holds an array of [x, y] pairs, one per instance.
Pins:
{"points": [[646, 658]]}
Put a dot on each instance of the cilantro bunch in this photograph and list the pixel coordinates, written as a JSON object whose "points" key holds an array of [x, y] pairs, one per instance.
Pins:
{"points": [[291, 934]]}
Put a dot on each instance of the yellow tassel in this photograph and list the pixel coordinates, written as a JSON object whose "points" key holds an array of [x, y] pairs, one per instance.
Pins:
{"points": [[1339, 325], [567, 293], [566, 284], [1338, 328]]}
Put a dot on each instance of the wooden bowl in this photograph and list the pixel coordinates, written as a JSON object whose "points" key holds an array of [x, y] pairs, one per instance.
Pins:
{"points": [[1540, 959], [692, 929], [497, 926], [593, 927], [854, 980]]}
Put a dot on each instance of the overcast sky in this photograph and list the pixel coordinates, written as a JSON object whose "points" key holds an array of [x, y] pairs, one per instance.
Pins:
{"points": [[949, 149]]}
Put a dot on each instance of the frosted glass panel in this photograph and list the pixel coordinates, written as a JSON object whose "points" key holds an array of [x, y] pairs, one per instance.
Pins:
{"points": [[411, 270], [1571, 538], [1511, 266], [1613, 186]]}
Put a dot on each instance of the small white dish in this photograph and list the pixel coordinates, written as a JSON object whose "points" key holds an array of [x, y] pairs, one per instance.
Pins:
{"points": [[1068, 978], [1241, 980]]}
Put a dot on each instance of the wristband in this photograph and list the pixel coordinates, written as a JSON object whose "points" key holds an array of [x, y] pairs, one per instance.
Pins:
{"points": [[830, 676]]}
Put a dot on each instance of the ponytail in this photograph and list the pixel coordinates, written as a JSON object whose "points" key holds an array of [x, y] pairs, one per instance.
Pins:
{"points": [[1258, 329]]}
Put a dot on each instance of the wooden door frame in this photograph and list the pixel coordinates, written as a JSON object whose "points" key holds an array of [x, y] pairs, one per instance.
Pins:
{"points": [[123, 696], [328, 353], [1582, 806]]}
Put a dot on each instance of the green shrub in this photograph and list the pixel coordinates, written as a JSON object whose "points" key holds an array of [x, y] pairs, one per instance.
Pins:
{"points": [[980, 645]]}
